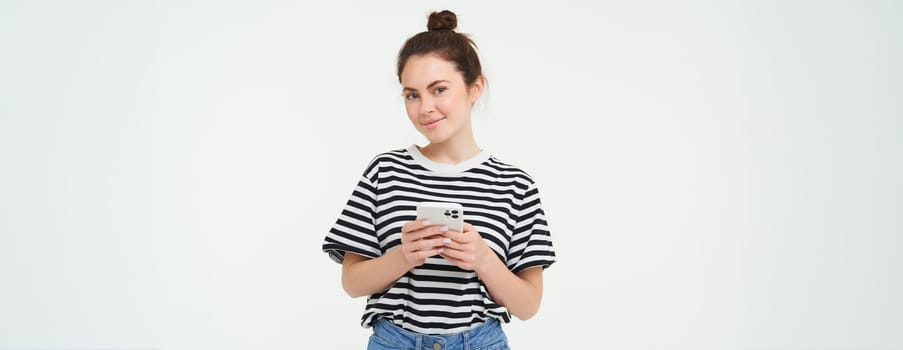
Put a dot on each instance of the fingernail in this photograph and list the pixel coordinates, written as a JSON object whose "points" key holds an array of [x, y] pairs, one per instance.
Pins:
{"points": [[426, 222], [443, 229], [446, 240], [440, 250]]}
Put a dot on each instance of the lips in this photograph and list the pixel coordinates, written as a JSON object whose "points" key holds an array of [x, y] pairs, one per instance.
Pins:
{"points": [[432, 123]]}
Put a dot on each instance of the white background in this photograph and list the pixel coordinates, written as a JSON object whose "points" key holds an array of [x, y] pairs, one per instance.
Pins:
{"points": [[717, 175]]}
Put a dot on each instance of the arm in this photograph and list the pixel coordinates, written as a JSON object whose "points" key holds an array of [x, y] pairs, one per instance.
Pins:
{"points": [[362, 276], [521, 293]]}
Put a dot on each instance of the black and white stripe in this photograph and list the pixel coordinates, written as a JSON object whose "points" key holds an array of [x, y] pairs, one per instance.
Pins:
{"points": [[501, 201]]}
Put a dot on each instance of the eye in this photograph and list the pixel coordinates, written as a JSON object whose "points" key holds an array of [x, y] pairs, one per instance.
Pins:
{"points": [[439, 89], [412, 96]]}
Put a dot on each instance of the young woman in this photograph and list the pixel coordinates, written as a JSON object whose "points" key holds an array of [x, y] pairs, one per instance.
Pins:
{"points": [[429, 286]]}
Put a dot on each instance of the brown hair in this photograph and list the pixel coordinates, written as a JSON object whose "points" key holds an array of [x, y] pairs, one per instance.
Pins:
{"points": [[441, 39]]}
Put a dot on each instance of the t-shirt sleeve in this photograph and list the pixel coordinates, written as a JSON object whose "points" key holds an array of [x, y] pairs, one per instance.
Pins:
{"points": [[531, 244], [354, 231]]}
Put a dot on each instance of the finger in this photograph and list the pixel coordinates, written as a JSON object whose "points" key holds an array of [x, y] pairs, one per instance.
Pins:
{"points": [[450, 259], [459, 237], [454, 254], [423, 233], [428, 244], [415, 225], [468, 227], [424, 244], [423, 254], [429, 231], [455, 246]]}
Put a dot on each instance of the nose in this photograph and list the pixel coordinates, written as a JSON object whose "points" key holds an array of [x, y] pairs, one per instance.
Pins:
{"points": [[426, 104]]}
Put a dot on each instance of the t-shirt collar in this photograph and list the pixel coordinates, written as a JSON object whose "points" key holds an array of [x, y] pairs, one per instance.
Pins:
{"points": [[447, 168]]}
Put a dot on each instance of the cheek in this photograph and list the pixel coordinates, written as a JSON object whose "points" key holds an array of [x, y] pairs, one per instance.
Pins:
{"points": [[411, 109], [448, 105]]}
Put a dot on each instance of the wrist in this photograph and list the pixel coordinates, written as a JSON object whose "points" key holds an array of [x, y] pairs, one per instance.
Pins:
{"points": [[400, 260], [489, 263]]}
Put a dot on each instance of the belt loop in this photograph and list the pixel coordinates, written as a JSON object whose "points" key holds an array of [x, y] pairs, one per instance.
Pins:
{"points": [[418, 342], [466, 335]]}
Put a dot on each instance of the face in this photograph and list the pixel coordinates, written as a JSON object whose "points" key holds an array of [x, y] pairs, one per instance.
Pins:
{"points": [[436, 98]]}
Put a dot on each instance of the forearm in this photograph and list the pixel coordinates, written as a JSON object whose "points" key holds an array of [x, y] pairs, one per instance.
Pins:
{"points": [[362, 276], [519, 293]]}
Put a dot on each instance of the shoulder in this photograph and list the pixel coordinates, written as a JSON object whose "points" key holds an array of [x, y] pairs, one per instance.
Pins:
{"points": [[398, 156], [505, 169], [390, 155]]}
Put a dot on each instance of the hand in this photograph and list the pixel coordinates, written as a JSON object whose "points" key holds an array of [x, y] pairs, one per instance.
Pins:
{"points": [[467, 249], [419, 241]]}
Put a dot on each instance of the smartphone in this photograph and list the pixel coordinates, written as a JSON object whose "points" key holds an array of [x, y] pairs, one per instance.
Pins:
{"points": [[442, 213]]}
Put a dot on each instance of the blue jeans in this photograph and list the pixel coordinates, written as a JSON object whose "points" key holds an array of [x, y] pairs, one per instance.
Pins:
{"points": [[487, 336]]}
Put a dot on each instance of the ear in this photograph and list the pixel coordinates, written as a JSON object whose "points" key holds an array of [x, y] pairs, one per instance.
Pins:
{"points": [[475, 89]]}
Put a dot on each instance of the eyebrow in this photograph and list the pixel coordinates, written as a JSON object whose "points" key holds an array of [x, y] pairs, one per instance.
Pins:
{"points": [[428, 86]]}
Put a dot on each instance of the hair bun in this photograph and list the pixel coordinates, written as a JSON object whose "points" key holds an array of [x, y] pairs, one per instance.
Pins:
{"points": [[445, 20]]}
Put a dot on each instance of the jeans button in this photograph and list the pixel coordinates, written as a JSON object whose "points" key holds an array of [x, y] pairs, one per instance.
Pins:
{"points": [[437, 346]]}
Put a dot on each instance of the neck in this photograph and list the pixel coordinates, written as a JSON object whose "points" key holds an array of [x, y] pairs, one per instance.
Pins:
{"points": [[454, 150]]}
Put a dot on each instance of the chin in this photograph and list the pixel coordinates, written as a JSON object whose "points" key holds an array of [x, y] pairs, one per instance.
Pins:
{"points": [[436, 138]]}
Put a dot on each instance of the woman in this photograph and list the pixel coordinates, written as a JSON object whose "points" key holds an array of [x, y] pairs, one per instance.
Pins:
{"points": [[429, 286]]}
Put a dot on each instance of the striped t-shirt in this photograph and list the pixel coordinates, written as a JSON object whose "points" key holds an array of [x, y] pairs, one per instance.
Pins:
{"points": [[499, 200]]}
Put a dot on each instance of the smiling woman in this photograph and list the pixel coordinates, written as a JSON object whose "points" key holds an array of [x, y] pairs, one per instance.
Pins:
{"points": [[441, 79], [438, 101], [428, 284]]}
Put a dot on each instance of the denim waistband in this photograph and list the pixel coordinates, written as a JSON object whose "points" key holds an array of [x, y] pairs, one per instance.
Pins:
{"points": [[484, 334]]}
